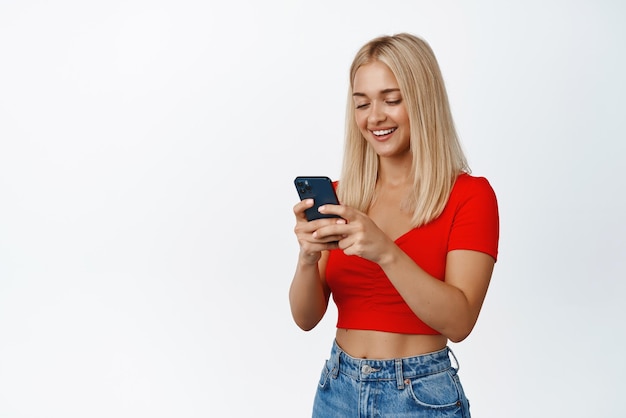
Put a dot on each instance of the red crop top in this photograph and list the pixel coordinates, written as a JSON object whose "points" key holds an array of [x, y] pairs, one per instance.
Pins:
{"points": [[365, 297]]}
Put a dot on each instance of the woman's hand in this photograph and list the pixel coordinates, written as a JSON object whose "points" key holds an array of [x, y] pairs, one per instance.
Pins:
{"points": [[356, 235], [311, 243]]}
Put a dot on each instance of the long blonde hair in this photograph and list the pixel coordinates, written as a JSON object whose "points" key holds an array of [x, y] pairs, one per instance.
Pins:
{"points": [[437, 154]]}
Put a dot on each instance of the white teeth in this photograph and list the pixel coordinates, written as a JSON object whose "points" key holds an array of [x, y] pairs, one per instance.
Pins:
{"points": [[384, 132]]}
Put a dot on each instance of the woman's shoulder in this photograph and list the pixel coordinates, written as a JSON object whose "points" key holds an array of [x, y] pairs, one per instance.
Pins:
{"points": [[467, 186], [474, 209], [466, 181]]}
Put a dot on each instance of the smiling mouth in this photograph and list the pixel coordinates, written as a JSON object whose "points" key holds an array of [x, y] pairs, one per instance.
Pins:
{"points": [[384, 132]]}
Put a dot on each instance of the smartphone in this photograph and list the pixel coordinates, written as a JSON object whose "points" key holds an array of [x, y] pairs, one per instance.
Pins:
{"points": [[321, 190]]}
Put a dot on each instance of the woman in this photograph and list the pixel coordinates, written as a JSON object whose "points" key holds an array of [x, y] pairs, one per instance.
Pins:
{"points": [[409, 261]]}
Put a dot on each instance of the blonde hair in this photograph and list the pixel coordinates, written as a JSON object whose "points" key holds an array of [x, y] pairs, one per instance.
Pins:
{"points": [[437, 154]]}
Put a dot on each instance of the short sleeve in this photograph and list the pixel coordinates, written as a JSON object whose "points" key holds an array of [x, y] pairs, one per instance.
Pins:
{"points": [[476, 224]]}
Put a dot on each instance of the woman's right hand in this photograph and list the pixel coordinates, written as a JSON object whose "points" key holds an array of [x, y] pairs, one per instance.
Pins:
{"points": [[310, 247]]}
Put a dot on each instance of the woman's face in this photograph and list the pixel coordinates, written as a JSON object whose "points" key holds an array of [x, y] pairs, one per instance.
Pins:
{"points": [[380, 110]]}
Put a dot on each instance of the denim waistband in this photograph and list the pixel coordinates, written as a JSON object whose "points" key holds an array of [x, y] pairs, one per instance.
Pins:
{"points": [[397, 369]]}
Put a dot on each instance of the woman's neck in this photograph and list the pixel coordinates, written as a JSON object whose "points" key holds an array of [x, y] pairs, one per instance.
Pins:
{"points": [[395, 172]]}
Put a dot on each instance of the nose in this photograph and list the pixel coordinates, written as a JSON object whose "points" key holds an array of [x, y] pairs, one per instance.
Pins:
{"points": [[376, 114]]}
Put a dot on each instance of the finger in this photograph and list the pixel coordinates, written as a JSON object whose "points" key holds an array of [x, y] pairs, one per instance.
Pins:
{"points": [[306, 229], [328, 238], [342, 211], [338, 229], [346, 244], [333, 245], [301, 206], [324, 227]]}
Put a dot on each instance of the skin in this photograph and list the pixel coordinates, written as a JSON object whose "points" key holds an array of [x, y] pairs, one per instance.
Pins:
{"points": [[451, 307]]}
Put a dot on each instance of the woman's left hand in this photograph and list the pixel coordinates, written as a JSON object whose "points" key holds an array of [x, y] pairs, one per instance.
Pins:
{"points": [[361, 236]]}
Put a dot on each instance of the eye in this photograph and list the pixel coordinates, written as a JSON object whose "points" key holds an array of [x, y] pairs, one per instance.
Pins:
{"points": [[362, 105], [394, 102]]}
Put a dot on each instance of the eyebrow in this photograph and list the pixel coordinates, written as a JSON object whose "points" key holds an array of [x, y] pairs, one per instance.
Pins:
{"points": [[385, 91]]}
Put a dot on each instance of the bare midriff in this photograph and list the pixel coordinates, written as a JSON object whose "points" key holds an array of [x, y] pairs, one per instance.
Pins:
{"points": [[387, 345]]}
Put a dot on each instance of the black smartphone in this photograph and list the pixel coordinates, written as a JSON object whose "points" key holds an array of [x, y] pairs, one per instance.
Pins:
{"points": [[321, 190]]}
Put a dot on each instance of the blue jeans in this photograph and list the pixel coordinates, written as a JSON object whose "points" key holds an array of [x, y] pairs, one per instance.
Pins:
{"points": [[421, 386]]}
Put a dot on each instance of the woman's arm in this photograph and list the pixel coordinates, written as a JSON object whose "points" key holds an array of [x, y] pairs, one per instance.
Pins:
{"points": [[452, 306], [309, 293]]}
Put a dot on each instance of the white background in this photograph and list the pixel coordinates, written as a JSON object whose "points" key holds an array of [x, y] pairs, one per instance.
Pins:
{"points": [[147, 152]]}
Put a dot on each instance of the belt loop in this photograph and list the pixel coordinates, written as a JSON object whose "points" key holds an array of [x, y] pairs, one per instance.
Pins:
{"points": [[399, 376], [335, 361], [458, 366]]}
